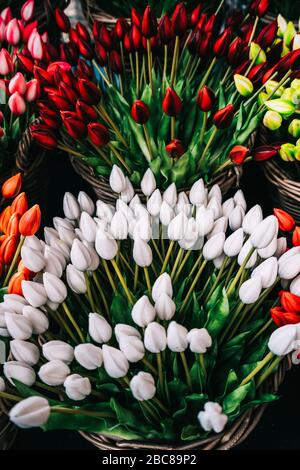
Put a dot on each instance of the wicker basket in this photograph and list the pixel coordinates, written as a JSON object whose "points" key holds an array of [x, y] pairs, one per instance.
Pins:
{"points": [[270, 17], [226, 440]]}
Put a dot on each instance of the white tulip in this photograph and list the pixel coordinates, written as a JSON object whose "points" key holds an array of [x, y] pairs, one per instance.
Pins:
{"points": [[122, 207], [71, 207], [13, 303], [215, 206], [269, 250], [106, 246], [88, 227], [212, 417], [166, 213], [55, 288], [15, 370], [252, 218], [250, 290], [148, 183], [117, 180], [205, 220], [67, 235], [86, 203], [128, 193], [58, 350], [239, 199], [24, 351], [38, 320], [99, 328], [283, 340], [154, 203], [19, 327], [77, 388], [115, 363], [33, 242], [54, 373], [247, 247], [2, 385], [61, 247], [142, 386], [80, 256], [295, 286], [183, 204], [135, 200], [165, 307], [140, 211], [197, 193], [215, 191], [53, 263], [132, 347], [177, 227], [213, 248], [95, 260], [4, 333], [61, 223], [220, 225], [76, 280], [143, 312], [264, 232], [155, 338], [142, 253], [199, 340], [121, 329], [289, 253], [143, 229], [267, 272], [281, 247], [289, 267], [233, 244], [177, 337], [162, 285], [170, 195], [52, 305], [32, 259], [31, 412], [227, 207], [236, 218], [119, 226], [50, 234], [88, 356], [191, 238], [104, 211], [218, 262]]}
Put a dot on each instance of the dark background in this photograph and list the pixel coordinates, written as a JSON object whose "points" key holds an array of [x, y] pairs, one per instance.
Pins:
{"points": [[279, 428]]}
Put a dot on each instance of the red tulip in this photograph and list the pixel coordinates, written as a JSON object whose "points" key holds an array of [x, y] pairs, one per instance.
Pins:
{"points": [[19, 205], [140, 112], [257, 72], [149, 23], [73, 36], [165, 30], [85, 112], [60, 101], [259, 7], [105, 38], [17, 84], [30, 221], [296, 237], [6, 63], [85, 49], [206, 98], [13, 32], [44, 136], [241, 69], [221, 44], [12, 186], [205, 44], [224, 116], [76, 128], [128, 43], [194, 42], [289, 301], [62, 20], [171, 104], [6, 15], [68, 93], [238, 154], [235, 51], [13, 225], [69, 52], [195, 16], [15, 283], [268, 74], [89, 92], [27, 10], [17, 104], [121, 28], [8, 249], [267, 35], [35, 45], [209, 24], [28, 29], [32, 90], [175, 148], [136, 38], [264, 153], [281, 317], [26, 63], [98, 134], [179, 20], [43, 77], [82, 31], [136, 18], [201, 22], [101, 54], [115, 62], [285, 221], [84, 70]]}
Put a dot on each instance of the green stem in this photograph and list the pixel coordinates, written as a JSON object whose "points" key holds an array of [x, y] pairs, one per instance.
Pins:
{"points": [[218, 278], [203, 129], [165, 65], [150, 366], [253, 30], [160, 370], [202, 363], [9, 396], [168, 254], [147, 137], [210, 140], [109, 276], [262, 329], [258, 368], [174, 61], [177, 261], [101, 293], [186, 370], [269, 370], [192, 286], [149, 54], [71, 318], [182, 264], [147, 277], [207, 74], [137, 74], [122, 281], [240, 271], [119, 157], [136, 277], [173, 127]]}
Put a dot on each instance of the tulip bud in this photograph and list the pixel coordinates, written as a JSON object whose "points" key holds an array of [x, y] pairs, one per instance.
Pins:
{"points": [[117, 180], [267, 272], [199, 340], [32, 90], [142, 253], [204, 220], [30, 221], [162, 285], [234, 243], [32, 259], [283, 340], [12, 186], [37, 319], [77, 387], [247, 247], [179, 19], [224, 116], [222, 42], [15, 370], [212, 417], [106, 246], [213, 248], [35, 46], [272, 120], [13, 32], [177, 337], [43, 135], [170, 195], [142, 386], [165, 307], [175, 148], [295, 286], [18, 326], [34, 293], [98, 134], [54, 373], [115, 362], [206, 99], [6, 63], [252, 218], [88, 227], [55, 288], [99, 328], [250, 290], [62, 20], [119, 226], [122, 329], [289, 267], [24, 351], [17, 104], [149, 25], [155, 338], [283, 107], [17, 84], [236, 218], [80, 256], [183, 204], [269, 250], [31, 412], [285, 221], [171, 104], [296, 237], [132, 348], [88, 356], [14, 303], [281, 247], [143, 312], [264, 232], [238, 154], [243, 85], [148, 183], [264, 153], [177, 227]]}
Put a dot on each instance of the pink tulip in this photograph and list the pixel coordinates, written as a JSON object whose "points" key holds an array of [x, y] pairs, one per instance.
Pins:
{"points": [[6, 63], [17, 104], [6, 15], [32, 90], [45, 37], [35, 45], [27, 30], [2, 29], [13, 33], [27, 10], [17, 83]]}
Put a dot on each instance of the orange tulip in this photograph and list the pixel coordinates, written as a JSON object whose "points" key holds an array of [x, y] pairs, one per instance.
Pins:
{"points": [[20, 204], [8, 249], [13, 225], [4, 218], [12, 186], [296, 237], [30, 221], [15, 283], [24, 270], [286, 221]]}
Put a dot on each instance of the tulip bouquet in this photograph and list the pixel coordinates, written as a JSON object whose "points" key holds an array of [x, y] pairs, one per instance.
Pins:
{"points": [[176, 95], [109, 338]]}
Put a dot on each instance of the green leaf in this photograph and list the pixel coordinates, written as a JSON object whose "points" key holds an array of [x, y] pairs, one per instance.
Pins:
{"points": [[3, 292], [217, 315], [190, 433], [232, 402], [120, 310]]}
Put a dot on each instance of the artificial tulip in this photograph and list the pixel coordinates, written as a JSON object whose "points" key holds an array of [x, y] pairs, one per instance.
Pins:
{"points": [[18, 326], [11, 187], [179, 20], [77, 387], [282, 341], [88, 356], [27, 10], [171, 104], [206, 99], [143, 312], [58, 350], [38, 320], [6, 63], [13, 32], [117, 180], [99, 329], [212, 418], [175, 148], [142, 386], [289, 301], [149, 24], [264, 232], [132, 348], [224, 116], [30, 221], [199, 340], [25, 351], [264, 152], [285, 221], [15, 370], [177, 340], [115, 362], [98, 134], [44, 136], [54, 373], [32, 259], [62, 20], [296, 237], [34, 293], [155, 338], [30, 412], [281, 317], [17, 104], [105, 245], [238, 154], [140, 112]]}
